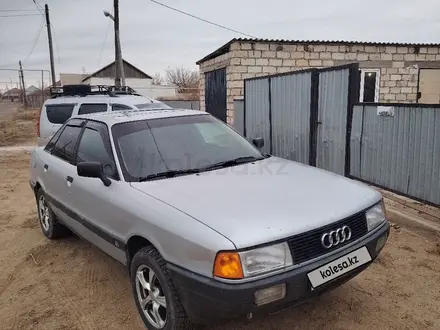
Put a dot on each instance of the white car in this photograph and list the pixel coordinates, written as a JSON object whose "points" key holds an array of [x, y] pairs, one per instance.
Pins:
{"points": [[71, 100]]}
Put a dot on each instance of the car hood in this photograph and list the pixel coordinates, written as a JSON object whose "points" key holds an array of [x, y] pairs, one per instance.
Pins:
{"points": [[259, 202]]}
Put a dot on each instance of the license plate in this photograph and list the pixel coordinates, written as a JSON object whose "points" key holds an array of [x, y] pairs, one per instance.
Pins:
{"points": [[339, 267]]}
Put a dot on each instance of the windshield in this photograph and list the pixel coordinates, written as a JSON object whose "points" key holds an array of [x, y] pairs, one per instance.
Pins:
{"points": [[146, 148], [155, 105]]}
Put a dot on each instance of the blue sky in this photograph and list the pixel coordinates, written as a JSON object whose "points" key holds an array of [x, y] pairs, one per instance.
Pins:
{"points": [[154, 38]]}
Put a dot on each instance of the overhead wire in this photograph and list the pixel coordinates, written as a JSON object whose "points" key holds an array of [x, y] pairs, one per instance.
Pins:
{"points": [[20, 15], [56, 43], [39, 7], [105, 40], [201, 19], [15, 10], [35, 41], [34, 44]]}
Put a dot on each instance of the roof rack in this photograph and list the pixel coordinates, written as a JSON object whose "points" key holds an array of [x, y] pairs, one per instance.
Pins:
{"points": [[84, 90]]}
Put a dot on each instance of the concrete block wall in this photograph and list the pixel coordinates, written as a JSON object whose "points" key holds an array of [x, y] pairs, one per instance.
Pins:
{"points": [[398, 73]]}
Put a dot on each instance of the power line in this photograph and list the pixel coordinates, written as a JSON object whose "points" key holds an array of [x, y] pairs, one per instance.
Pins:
{"points": [[56, 43], [32, 49], [36, 40], [7, 10], [39, 7], [201, 19], [105, 39], [20, 15]]}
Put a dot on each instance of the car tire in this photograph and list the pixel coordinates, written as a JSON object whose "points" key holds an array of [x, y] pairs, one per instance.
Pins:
{"points": [[162, 289], [49, 224]]}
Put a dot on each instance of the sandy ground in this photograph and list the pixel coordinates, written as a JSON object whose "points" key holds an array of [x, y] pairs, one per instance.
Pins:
{"points": [[69, 284], [17, 125]]}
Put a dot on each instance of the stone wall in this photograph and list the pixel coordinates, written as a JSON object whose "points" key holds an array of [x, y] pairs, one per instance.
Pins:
{"points": [[398, 74]]}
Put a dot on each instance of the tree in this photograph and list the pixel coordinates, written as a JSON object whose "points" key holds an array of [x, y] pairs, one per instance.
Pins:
{"points": [[157, 79], [185, 79]]}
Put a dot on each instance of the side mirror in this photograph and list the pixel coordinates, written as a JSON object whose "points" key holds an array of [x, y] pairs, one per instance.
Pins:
{"points": [[92, 170], [258, 142]]}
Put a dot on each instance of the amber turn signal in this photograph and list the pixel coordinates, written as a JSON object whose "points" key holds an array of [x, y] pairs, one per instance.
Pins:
{"points": [[228, 265]]}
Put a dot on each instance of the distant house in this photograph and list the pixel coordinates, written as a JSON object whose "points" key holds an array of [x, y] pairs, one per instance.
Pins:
{"points": [[32, 89], [12, 94], [134, 78], [72, 78]]}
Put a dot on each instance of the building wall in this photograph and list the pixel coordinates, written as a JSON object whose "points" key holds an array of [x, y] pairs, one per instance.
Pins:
{"points": [[398, 76], [142, 86], [157, 91], [132, 82]]}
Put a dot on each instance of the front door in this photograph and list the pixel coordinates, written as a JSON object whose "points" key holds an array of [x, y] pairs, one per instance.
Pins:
{"points": [[332, 119], [100, 224], [429, 86], [215, 93]]}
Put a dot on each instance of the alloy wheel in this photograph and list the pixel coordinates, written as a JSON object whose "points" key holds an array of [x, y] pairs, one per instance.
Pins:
{"points": [[151, 297], [43, 211]]}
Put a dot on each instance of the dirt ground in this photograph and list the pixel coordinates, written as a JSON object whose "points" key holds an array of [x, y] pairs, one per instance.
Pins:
{"points": [[69, 284], [17, 125]]}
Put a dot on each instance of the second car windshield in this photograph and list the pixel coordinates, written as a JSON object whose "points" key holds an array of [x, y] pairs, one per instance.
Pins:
{"points": [[146, 148]]}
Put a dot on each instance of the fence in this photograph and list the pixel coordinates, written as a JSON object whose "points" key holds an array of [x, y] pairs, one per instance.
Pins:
{"points": [[302, 115], [311, 117], [239, 116], [398, 148]]}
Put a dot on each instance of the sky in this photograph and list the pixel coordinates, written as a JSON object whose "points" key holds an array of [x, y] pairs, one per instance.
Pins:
{"points": [[154, 37]]}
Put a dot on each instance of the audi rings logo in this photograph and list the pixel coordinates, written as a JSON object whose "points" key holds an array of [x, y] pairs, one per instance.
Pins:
{"points": [[336, 237]]}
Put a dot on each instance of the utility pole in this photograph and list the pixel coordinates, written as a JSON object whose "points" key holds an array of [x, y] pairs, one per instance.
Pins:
{"points": [[119, 66], [42, 87], [49, 37], [22, 84]]}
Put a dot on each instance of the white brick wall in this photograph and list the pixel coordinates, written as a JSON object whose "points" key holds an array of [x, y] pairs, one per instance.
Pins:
{"points": [[398, 82]]}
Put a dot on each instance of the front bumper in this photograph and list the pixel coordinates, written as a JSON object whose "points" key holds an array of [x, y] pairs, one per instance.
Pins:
{"points": [[207, 300]]}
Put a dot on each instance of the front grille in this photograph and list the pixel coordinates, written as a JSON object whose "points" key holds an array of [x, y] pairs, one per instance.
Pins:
{"points": [[308, 245]]}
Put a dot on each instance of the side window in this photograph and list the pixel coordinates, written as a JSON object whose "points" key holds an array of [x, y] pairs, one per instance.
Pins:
{"points": [[116, 107], [91, 108], [59, 113], [51, 144], [65, 146], [370, 83], [95, 146]]}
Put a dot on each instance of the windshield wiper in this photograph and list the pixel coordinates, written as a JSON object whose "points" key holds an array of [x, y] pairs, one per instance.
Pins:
{"points": [[231, 162], [168, 174]]}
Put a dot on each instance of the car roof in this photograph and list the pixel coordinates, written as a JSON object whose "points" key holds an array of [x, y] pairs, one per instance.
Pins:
{"points": [[119, 99], [115, 117]]}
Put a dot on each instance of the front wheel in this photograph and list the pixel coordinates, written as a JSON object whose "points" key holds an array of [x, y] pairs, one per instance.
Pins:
{"points": [[155, 295]]}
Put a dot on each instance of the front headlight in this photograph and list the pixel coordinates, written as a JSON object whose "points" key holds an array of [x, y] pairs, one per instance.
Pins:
{"points": [[265, 259], [238, 265], [375, 216]]}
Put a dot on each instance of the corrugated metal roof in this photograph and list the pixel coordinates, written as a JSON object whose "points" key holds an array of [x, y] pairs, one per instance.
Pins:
{"points": [[225, 48]]}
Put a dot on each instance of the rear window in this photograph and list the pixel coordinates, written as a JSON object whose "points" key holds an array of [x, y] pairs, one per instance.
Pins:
{"points": [[116, 107], [155, 105], [91, 108], [59, 113]]}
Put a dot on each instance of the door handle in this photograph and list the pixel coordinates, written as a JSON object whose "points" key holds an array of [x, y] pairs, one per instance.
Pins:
{"points": [[45, 167], [69, 179]]}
